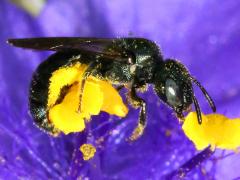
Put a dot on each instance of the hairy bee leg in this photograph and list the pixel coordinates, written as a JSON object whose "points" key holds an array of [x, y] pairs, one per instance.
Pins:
{"points": [[138, 131], [86, 74], [81, 93], [63, 92]]}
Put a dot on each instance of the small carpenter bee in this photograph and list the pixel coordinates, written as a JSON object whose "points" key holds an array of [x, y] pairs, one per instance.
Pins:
{"points": [[128, 62]]}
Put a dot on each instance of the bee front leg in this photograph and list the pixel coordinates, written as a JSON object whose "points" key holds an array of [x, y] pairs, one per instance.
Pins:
{"points": [[139, 102]]}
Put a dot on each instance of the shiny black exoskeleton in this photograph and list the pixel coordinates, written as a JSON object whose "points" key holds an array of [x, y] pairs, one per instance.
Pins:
{"points": [[127, 62]]}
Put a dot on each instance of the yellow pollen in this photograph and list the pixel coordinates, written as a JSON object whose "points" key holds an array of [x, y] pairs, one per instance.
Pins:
{"points": [[88, 151], [216, 130], [98, 95]]}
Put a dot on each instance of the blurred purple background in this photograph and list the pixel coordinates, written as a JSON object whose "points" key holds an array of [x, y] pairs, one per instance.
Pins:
{"points": [[203, 35]]}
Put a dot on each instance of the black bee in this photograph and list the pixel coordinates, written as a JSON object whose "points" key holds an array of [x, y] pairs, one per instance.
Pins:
{"points": [[128, 62]]}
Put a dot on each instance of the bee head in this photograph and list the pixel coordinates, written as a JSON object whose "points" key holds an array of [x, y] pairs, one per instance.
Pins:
{"points": [[173, 85]]}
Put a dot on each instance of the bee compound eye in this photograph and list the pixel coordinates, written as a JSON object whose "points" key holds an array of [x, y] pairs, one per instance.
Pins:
{"points": [[172, 93]]}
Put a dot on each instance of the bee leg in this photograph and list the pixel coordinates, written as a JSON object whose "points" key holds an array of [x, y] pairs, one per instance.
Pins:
{"points": [[63, 92], [86, 74], [138, 131]]}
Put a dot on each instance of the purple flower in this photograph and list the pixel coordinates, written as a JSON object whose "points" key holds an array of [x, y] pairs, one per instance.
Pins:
{"points": [[204, 35]]}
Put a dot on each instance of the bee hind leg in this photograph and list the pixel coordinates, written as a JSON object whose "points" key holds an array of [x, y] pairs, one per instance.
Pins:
{"points": [[137, 101], [86, 74]]}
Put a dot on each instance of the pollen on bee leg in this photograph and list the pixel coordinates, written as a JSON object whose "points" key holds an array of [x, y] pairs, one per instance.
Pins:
{"points": [[97, 96], [88, 151], [143, 88], [138, 132]]}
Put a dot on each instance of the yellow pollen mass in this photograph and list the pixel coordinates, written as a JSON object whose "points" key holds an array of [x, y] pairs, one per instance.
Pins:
{"points": [[97, 96], [88, 151], [63, 77], [216, 130]]}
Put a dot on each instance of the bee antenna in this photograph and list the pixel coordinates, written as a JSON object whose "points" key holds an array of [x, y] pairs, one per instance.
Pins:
{"points": [[207, 96], [197, 107]]}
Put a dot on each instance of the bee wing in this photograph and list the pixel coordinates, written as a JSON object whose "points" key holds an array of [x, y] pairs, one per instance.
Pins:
{"points": [[62, 43], [98, 46]]}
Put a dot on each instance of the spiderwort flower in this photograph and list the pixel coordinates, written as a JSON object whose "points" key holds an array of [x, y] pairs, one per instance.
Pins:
{"points": [[204, 35]]}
